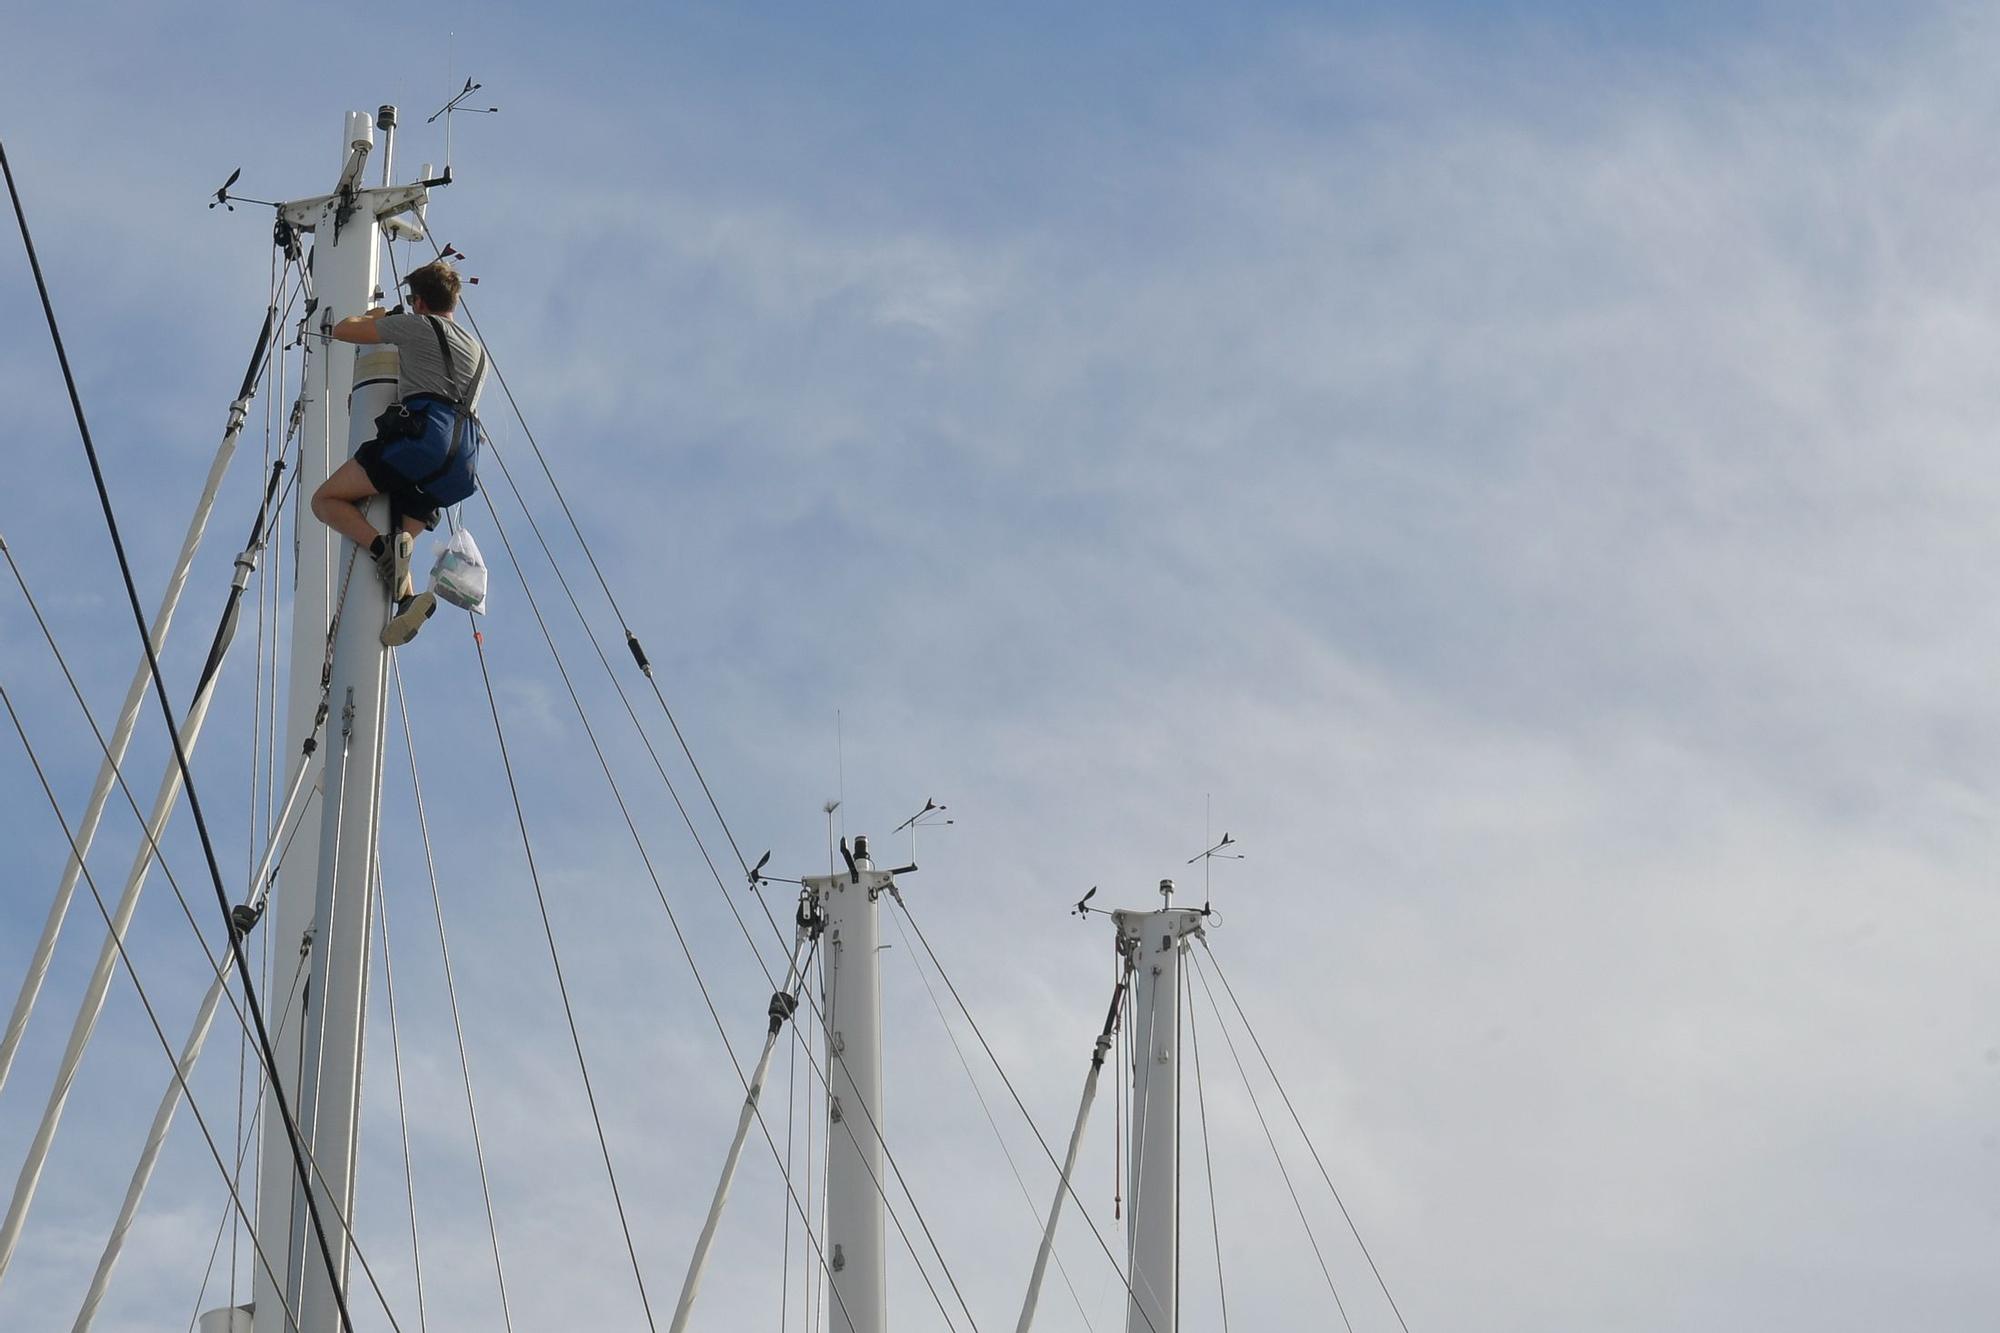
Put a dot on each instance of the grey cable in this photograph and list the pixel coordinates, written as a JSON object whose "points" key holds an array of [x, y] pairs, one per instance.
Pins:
{"points": [[1278, 1156], [1123, 1276], [562, 986], [1208, 1161], [1300, 1124], [402, 1106], [987, 1111], [125, 958], [451, 995]]}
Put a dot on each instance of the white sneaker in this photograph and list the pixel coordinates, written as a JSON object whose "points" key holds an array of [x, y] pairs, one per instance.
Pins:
{"points": [[403, 626], [405, 547]]}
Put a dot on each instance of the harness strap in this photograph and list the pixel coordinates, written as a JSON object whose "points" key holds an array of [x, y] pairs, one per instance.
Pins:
{"points": [[460, 413]]}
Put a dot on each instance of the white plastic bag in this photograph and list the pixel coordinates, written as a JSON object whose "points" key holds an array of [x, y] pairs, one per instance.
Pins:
{"points": [[459, 575]]}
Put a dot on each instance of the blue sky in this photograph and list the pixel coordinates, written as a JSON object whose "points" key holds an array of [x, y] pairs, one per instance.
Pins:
{"points": [[1524, 470]]}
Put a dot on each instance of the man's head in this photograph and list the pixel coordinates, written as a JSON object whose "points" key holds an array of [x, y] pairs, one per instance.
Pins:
{"points": [[436, 285]]}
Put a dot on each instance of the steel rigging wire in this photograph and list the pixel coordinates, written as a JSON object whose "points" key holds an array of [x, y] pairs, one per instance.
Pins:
{"points": [[998, 1068], [154, 850], [632, 643], [645, 666], [1279, 1158], [451, 995], [1269, 1068], [1207, 1157], [562, 986], [145, 1000], [631, 639], [714, 1013], [966, 1065], [402, 1105], [265, 1049], [246, 1136]]}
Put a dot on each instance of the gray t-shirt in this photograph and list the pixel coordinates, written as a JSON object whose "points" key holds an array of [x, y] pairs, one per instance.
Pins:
{"points": [[423, 370]]}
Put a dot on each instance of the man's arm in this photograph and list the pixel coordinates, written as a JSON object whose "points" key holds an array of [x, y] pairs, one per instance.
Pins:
{"points": [[360, 328]]}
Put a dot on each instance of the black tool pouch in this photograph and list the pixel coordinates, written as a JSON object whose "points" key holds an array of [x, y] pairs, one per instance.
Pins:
{"points": [[399, 423]]}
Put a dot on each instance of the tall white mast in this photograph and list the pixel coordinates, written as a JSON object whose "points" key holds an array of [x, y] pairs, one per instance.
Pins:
{"points": [[1154, 942], [321, 916], [855, 1161]]}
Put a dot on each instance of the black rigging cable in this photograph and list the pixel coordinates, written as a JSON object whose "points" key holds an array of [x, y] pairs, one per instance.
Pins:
{"points": [[645, 738], [1034, 1210], [562, 987], [402, 1106], [631, 639], [265, 1050], [998, 1068], [1279, 1157], [639, 657], [451, 995], [156, 853], [145, 1000], [1208, 1161], [686, 948], [1300, 1125], [246, 1136]]}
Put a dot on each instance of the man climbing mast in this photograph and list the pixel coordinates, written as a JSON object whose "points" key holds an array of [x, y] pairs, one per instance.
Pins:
{"points": [[425, 454]]}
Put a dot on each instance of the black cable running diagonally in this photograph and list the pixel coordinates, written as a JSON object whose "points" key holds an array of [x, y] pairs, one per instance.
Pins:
{"points": [[245, 1136], [673, 920], [139, 986], [644, 739], [639, 657], [632, 826], [1230, 991], [402, 1103], [1123, 1277], [1034, 1211], [1208, 1161], [1277, 1156], [451, 995], [631, 639], [562, 986], [265, 1051]]}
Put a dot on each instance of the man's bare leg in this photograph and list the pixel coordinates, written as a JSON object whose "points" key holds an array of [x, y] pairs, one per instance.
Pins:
{"points": [[337, 503]]}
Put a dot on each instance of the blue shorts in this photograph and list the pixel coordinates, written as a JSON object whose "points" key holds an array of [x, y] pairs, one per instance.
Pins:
{"points": [[422, 474]]}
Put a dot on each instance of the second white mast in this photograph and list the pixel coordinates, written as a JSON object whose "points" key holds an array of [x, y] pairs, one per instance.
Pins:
{"points": [[1153, 942], [855, 1159]]}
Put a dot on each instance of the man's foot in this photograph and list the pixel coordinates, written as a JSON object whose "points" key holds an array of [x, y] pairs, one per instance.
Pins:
{"points": [[403, 626]]}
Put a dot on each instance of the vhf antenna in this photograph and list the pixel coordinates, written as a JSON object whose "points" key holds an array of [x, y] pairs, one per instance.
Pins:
{"points": [[455, 105]]}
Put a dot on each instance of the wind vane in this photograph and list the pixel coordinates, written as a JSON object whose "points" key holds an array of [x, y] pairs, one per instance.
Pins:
{"points": [[931, 816], [457, 104]]}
